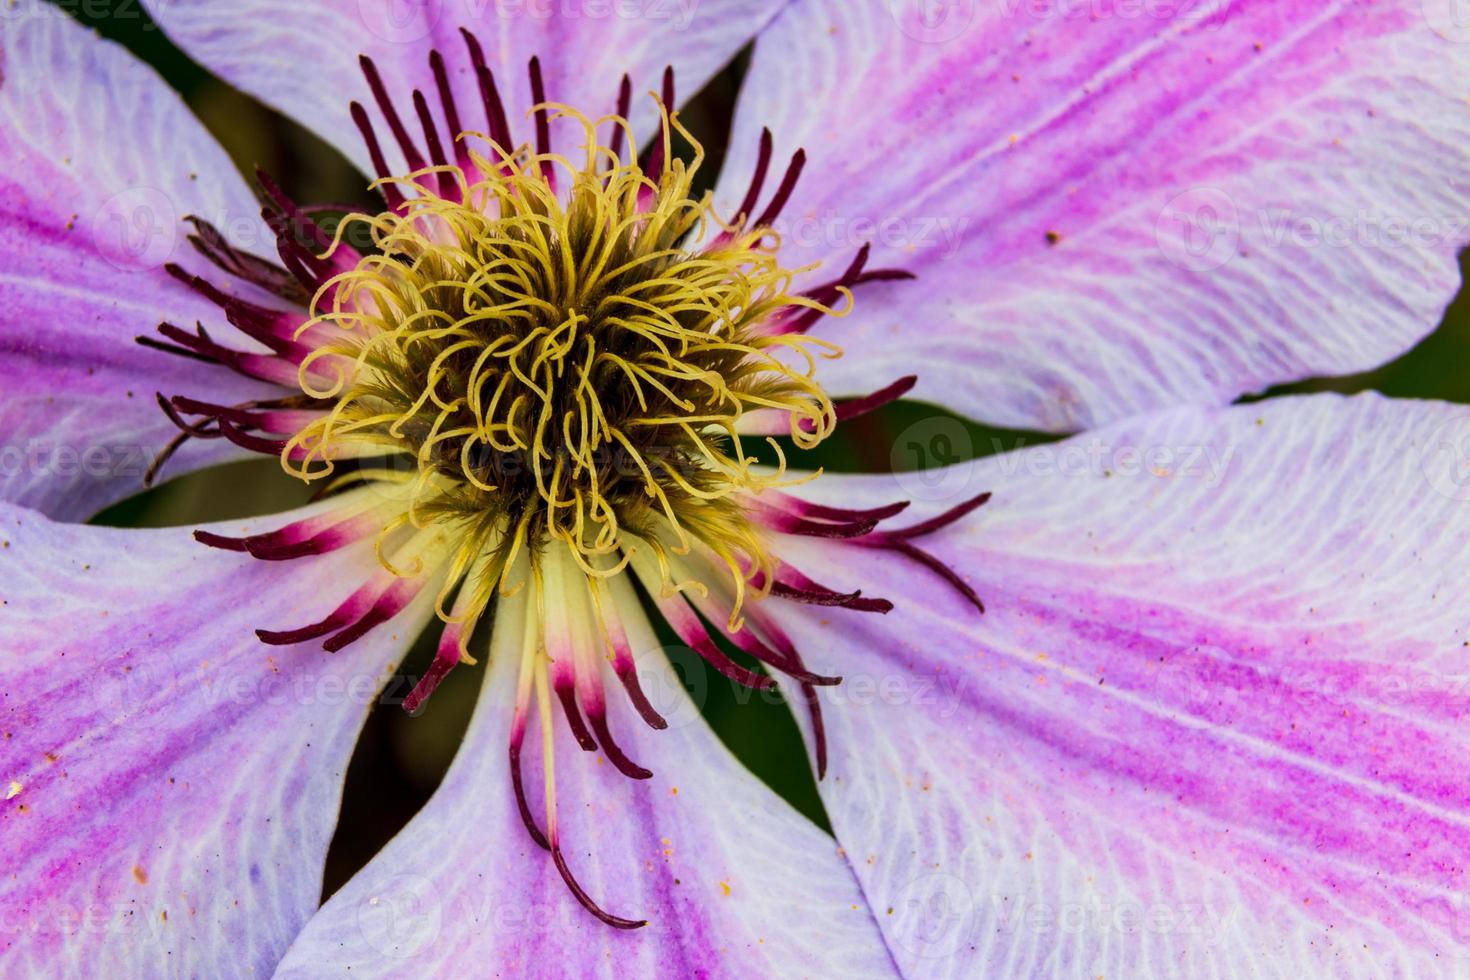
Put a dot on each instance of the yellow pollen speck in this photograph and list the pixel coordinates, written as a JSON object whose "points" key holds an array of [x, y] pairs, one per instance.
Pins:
{"points": [[725, 887], [139, 875], [14, 790]]}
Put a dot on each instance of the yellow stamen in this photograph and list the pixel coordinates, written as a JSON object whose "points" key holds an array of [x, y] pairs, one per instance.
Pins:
{"points": [[561, 369]]}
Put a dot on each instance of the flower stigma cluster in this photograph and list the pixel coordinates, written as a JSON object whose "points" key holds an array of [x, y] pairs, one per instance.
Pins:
{"points": [[559, 373], [546, 389]]}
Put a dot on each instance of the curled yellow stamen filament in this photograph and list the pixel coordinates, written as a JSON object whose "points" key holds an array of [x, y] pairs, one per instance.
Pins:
{"points": [[538, 368]]}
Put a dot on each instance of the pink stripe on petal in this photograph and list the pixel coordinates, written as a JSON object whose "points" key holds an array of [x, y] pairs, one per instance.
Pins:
{"points": [[100, 163], [172, 785], [1111, 207], [1228, 693], [733, 882]]}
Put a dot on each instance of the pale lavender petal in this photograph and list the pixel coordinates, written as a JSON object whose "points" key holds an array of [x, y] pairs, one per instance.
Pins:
{"points": [[1111, 208], [1214, 721], [303, 58], [100, 162], [168, 784], [732, 880]]}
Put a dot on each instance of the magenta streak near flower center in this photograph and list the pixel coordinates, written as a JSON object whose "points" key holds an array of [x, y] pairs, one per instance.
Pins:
{"points": [[530, 392]]}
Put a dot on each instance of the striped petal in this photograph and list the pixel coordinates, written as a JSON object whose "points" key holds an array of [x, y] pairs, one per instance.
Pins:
{"points": [[1213, 722], [733, 882], [1113, 207], [100, 163], [170, 783], [303, 58]]}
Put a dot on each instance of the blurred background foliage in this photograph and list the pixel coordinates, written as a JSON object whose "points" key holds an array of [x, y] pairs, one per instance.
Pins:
{"points": [[400, 760]]}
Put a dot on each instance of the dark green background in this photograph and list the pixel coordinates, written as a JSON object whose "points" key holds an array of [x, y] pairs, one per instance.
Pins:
{"points": [[400, 760]]}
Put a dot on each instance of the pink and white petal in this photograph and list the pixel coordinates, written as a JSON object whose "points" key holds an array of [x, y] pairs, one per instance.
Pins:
{"points": [[733, 882], [170, 784], [1113, 208], [100, 162], [1213, 722], [303, 58]]}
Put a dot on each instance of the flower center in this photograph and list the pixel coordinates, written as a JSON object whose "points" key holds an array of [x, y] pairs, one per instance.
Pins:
{"points": [[530, 383], [564, 369]]}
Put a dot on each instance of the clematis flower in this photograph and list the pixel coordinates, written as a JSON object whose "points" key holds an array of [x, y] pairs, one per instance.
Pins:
{"points": [[1182, 697]]}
